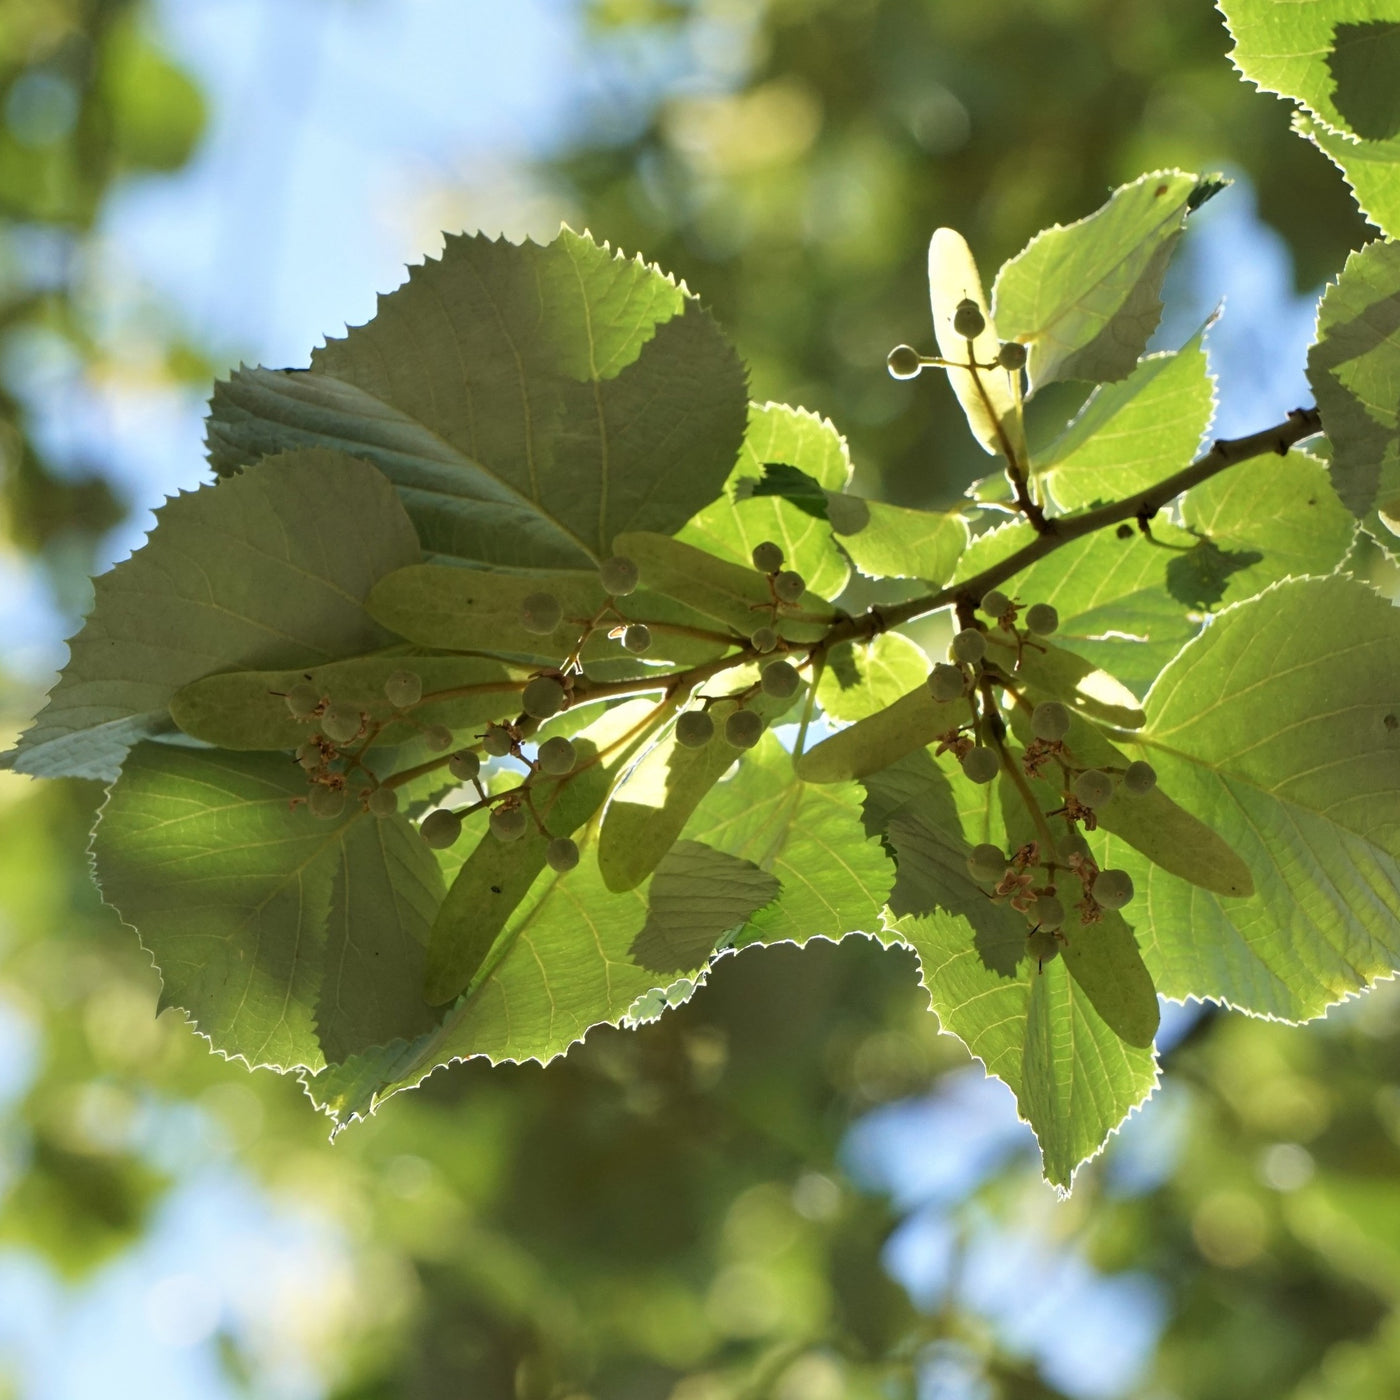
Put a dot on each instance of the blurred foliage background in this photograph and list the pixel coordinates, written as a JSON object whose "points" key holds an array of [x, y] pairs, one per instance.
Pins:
{"points": [[793, 1188]]}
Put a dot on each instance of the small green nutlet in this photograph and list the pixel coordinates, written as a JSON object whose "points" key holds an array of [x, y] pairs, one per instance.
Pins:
{"points": [[540, 613], [1042, 619], [789, 586], [764, 640], [946, 683], [743, 729], [382, 802], [1093, 788], [780, 680], [694, 729], [1047, 911], [981, 765], [1012, 355], [403, 688], [969, 646], [309, 755], [619, 575], [637, 638], [1139, 778], [1043, 946], [968, 320], [767, 557], [987, 864], [561, 855], [496, 741], [542, 697], [509, 823], [437, 737], [302, 700], [340, 726], [326, 803], [1050, 720], [464, 766], [995, 603], [440, 829], [556, 756], [1113, 888], [904, 362]]}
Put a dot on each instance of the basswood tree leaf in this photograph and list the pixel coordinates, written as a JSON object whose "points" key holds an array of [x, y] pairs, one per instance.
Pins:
{"points": [[1371, 168], [1062, 675], [861, 679], [1354, 370], [886, 541], [1074, 1078], [730, 526], [1084, 297], [1132, 434], [988, 397], [1337, 58], [911, 723], [1277, 727], [529, 402], [246, 710], [447, 606], [232, 891], [270, 569], [739, 597], [835, 878]]}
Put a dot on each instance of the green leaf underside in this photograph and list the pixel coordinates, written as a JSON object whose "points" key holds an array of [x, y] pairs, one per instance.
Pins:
{"points": [[529, 402], [245, 709], [1354, 368], [655, 800], [911, 723], [736, 596], [1276, 726], [270, 928], [1084, 297], [1338, 59], [730, 527], [269, 569], [447, 606], [1064, 676], [1074, 1078], [1130, 435], [860, 680], [1371, 168], [834, 877], [497, 875], [898, 542]]}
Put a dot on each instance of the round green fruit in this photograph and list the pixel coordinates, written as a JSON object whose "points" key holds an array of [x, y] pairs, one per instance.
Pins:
{"points": [[542, 697], [441, 828], [561, 854], [1042, 619], [557, 757], [1113, 888], [540, 613], [1050, 720], [767, 557], [904, 362], [969, 646], [981, 765], [968, 320], [1139, 778], [1093, 788], [619, 575], [509, 823], [743, 729], [404, 688], [464, 766], [694, 729]]}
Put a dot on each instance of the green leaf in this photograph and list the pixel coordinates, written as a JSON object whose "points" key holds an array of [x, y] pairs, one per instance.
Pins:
{"points": [[1354, 370], [697, 896], [989, 397], [1277, 727], [530, 403], [243, 902], [739, 597], [656, 798], [730, 526], [1104, 960], [1074, 1078], [862, 678], [1131, 435], [447, 606], [1371, 168], [834, 877], [1337, 59], [497, 875], [1084, 297], [911, 723], [245, 709], [269, 569], [1115, 609], [898, 542], [1065, 676]]}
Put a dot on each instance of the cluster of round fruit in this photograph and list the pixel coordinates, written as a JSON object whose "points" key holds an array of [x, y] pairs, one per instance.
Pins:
{"points": [[968, 321], [542, 612], [1108, 889]]}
